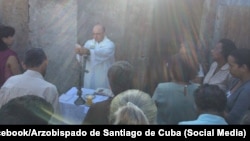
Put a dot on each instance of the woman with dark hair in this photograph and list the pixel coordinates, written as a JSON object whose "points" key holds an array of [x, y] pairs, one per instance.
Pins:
{"points": [[9, 62], [218, 73]]}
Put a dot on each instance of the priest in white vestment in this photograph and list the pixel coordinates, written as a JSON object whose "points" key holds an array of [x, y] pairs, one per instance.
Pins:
{"points": [[100, 52]]}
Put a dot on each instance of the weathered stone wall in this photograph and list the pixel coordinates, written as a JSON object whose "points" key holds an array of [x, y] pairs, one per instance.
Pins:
{"points": [[137, 28], [15, 13], [144, 31], [53, 26], [226, 19]]}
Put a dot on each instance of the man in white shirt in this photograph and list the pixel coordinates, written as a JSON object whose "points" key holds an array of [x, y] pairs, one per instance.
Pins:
{"points": [[31, 82], [99, 53]]}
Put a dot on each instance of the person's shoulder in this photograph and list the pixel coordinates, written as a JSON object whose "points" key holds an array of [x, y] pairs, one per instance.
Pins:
{"points": [[186, 123], [163, 87], [102, 104], [10, 52], [97, 110], [50, 86], [166, 84], [246, 88], [108, 41], [195, 85], [13, 52], [214, 63], [90, 41], [14, 78]]}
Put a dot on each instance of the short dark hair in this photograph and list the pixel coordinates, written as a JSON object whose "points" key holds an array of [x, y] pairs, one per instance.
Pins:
{"points": [[210, 98], [120, 76], [34, 57], [227, 47], [28, 109], [241, 56], [6, 31]]}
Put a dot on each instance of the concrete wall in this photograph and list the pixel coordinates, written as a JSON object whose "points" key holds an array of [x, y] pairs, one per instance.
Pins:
{"points": [[53, 26], [16, 14], [226, 19], [140, 30]]}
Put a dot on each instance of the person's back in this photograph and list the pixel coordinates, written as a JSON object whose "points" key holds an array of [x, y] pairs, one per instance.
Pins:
{"points": [[174, 99], [26, 110], [9, 62], [210, 103], [132, 107], [120, 76], [31, 82], [173, 104]]}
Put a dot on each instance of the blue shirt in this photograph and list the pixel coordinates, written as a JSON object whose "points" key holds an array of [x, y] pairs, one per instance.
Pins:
{"points": [[205, 119], [238, 103]]}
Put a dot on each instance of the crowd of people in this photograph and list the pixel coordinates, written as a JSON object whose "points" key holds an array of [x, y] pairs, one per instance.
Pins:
{"points": [[192, 95]]}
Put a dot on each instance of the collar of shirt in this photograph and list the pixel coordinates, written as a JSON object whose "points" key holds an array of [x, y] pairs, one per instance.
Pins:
{"points": [[33, 73], [224, 67]]}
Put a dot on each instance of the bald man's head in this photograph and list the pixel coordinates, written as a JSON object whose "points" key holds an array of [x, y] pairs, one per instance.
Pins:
{"points": [[98, 32]]}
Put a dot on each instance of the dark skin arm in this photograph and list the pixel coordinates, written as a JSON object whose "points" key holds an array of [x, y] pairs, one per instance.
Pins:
{"points": [[13, 64]]}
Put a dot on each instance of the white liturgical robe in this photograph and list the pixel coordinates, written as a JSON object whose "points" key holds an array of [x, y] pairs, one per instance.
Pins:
{"points": [[102, 56]]}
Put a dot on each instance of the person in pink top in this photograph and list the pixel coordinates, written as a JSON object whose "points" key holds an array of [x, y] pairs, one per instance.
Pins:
{"points": [[9, 62]]}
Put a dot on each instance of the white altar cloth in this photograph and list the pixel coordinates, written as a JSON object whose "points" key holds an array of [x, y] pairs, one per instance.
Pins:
{"points": [[74, 114]]}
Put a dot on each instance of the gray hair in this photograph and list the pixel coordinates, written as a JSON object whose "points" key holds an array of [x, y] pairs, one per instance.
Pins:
{"points": [[139, 106]]}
